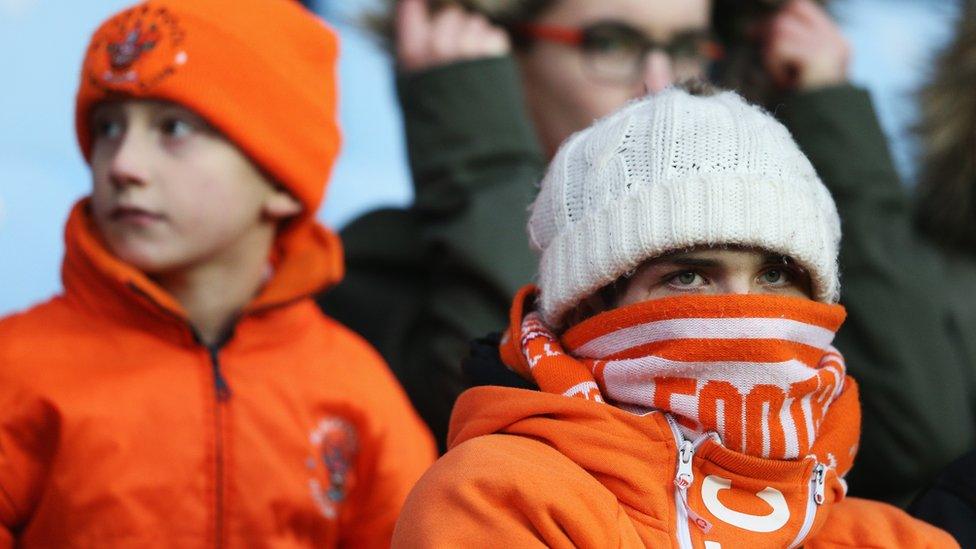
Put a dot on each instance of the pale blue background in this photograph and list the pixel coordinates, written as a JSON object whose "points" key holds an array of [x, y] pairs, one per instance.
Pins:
{"points": [[42, 173]]}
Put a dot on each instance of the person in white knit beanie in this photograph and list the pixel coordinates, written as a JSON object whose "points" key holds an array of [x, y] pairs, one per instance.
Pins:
{"points": [[679, 345], [671, 172]]}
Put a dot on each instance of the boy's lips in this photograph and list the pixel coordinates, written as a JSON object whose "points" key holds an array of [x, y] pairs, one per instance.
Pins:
{"points": [[134, 215]]}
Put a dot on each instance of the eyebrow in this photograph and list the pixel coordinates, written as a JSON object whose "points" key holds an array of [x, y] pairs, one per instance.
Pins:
{"points": [[706, 263], [778, 259], [686, 262], [692, 32], [105, 108]]}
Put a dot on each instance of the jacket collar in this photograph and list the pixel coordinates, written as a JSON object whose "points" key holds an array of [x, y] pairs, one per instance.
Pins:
{"points": [[636, 457], [307, 258]]}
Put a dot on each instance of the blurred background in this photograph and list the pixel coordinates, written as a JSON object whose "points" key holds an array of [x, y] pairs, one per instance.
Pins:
{"points": [[42, 172]]}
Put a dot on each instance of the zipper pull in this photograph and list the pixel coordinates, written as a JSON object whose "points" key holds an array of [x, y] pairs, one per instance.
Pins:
{"points": [[683, 479], [685, 476], [220, 382], [820, 480], [700, 521]]}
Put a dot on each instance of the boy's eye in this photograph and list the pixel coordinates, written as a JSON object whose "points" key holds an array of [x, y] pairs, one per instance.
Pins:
{"points": [[776, 276], [108, 129], [686, 278], [176, 128]]}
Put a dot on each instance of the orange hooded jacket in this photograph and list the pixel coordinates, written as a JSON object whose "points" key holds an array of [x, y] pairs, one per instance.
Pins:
{"points": [[532, 469], [119, 429]]}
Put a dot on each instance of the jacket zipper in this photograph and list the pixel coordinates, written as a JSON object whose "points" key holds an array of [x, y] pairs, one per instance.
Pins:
{"points": [[683, 479], [222, 393], [221, 389], [818, 480]]}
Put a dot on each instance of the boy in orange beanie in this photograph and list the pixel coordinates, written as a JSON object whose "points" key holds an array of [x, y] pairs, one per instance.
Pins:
{"points": [[185, 390], [679, 344]]}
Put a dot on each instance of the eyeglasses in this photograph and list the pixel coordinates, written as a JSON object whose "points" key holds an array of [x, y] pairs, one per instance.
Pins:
{"points": [[614, 52]]}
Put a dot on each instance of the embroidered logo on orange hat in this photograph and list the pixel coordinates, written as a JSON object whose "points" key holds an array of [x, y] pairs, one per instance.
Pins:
{"points": [[125, 53], [138, 49]]}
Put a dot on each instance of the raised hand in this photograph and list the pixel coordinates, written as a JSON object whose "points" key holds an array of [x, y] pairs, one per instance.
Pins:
{"points": [[804, 47], [425, 40]]}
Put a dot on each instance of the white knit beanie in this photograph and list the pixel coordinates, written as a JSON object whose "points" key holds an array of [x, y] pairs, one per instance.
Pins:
{"points": [[673, 171]]}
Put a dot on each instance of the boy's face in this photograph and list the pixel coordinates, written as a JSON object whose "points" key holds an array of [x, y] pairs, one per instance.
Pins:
{"points": [[169, 192], [716, 271]]}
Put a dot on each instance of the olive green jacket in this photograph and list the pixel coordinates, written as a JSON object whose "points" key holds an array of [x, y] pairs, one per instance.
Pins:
{"points": [[910, 336], [424, 281]]}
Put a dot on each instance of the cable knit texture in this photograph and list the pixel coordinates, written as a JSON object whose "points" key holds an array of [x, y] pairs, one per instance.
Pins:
{"points": [[673, 171]]}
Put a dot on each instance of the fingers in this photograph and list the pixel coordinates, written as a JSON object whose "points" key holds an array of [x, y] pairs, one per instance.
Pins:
{"points": [[472, 29], [811, 12], [446, 33], [426, 40], [479, 38], [804, 48], [791, 29], [412, 28]]}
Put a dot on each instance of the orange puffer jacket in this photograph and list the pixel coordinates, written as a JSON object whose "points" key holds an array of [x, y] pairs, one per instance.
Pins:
{"points": [[531, 469], [119, 429]]}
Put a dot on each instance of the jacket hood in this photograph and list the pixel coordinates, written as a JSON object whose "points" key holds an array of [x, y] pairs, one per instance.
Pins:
{"points": [[636, 457], [306, 258], [574, 425], [840, 433]]}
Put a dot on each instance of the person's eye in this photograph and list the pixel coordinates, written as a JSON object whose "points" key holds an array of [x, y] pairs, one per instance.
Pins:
{"points": [[612, 40], [687, 45], [108, 128], [176, 128], [777, 277], [686, 279]]}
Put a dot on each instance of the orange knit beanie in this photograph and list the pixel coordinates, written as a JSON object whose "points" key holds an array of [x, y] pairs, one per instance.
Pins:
{"points": [[260, 71]]}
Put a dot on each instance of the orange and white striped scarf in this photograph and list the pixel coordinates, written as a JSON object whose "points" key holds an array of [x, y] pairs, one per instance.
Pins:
{"points": [[757, 370]]}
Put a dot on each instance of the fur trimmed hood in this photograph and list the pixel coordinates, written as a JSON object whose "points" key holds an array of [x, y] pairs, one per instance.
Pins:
{"points": [[947, 130]]}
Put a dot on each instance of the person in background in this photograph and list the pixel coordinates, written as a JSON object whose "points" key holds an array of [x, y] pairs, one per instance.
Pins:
{"points": [[946, 193], [946, 215], [488, 90], [686, 392], [909, 267], [949, 502], [185, 390]]}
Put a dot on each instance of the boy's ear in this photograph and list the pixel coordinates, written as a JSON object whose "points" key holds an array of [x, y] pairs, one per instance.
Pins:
{"points": [[280, 204]]}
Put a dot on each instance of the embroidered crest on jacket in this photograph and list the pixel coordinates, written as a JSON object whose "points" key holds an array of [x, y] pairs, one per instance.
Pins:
{"points": [[336, 446]]}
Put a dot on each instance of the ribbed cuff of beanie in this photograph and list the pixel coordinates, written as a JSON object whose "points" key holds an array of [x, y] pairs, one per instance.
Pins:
{"points": [[712, 210]]}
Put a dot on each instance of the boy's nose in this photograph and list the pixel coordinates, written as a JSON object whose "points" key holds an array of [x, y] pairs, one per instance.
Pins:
{"points": [[129, 166], [739, 285], [658, 72]]}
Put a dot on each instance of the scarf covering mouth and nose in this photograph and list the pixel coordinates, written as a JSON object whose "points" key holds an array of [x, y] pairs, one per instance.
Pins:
{"points": [[758, 370]]}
